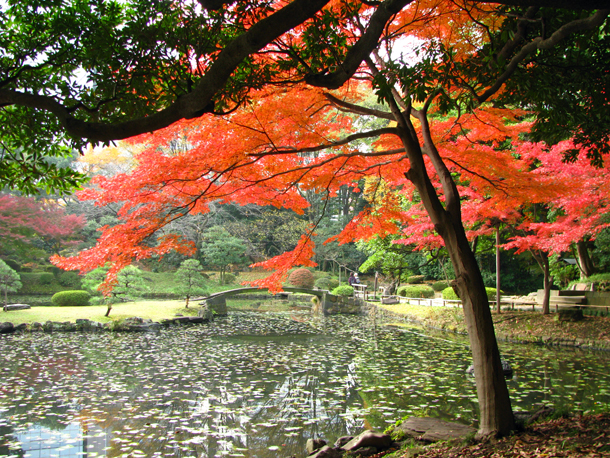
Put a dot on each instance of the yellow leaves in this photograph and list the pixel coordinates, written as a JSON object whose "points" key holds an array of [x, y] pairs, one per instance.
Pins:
{"points": [[109, 160]]}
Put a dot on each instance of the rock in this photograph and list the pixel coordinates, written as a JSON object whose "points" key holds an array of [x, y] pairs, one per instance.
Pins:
{"points": [[313, 445], [7, 328], [328, 452], [21, 327], [196, 320], [146, 327], [569, 314], [343, 440], [10, 307], [390, 300], [432, 429], [205, 312], [369, 439]]}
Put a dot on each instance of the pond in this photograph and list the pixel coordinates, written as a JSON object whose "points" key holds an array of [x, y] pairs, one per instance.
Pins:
{"points": [[255, 385]]}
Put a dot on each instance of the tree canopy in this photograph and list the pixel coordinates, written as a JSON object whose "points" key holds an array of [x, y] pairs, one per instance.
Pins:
{"points": [[77, 71]]}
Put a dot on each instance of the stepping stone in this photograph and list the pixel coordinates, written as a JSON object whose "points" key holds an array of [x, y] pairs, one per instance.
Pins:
{"points": [[433, 430]]}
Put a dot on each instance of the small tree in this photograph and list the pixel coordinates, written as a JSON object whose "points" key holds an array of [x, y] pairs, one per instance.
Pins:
{"points": [[189, 279], [9, 281], [130, 285], [221, 249]]}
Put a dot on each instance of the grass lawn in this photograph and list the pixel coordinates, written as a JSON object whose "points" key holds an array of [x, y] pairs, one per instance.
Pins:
{"points": [[155, 310]]}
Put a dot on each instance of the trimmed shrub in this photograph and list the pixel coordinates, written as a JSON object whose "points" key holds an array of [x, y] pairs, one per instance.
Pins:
{"points": [[450, 295], [71, 298], [343, 290], [440, 285], [70, 279], [301, 278], [322, 283], [333, 283], [415, 279], [416, 291], [46, 279]]}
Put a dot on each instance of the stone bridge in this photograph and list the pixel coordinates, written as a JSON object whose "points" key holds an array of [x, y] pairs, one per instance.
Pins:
{"points": [[327, 304]]}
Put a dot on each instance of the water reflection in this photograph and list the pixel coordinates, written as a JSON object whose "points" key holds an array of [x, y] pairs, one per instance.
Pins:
{"points": [[254, 385]]}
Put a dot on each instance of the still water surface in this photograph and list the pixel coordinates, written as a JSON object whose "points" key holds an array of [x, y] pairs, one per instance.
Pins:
{"points": [[255, 385]]}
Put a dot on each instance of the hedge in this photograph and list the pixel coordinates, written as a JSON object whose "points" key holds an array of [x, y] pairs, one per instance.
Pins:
{"points": [[415, 279], [440, 285], [343, 290], [415, 291], [449, 294], [71, 298], [327, 283]]}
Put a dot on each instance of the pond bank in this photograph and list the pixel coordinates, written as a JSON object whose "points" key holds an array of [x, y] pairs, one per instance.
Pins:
{"points": [[593, 332]]}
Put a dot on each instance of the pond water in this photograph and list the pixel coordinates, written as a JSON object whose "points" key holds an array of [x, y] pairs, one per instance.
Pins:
{"points": [[255, 385]]}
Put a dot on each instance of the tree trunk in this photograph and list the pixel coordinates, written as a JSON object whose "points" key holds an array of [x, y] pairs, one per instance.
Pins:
{"points": [[498, 305], [585, 264], [495, 416], [108, 310], [543, 261], [187, 302]]}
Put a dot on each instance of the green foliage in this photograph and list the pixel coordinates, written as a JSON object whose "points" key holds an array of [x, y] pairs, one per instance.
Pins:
{"points": [[221, 250], [92, 280], [416, 279], [562, 272], [13, 265], [301, 278], [9, 280], [189, 280], [343, 290], [440, 285], [46, 279], [415, 291], [228, 279], [71, 298], [449, 294], [70, 279], [130, 286], [327, 283]]}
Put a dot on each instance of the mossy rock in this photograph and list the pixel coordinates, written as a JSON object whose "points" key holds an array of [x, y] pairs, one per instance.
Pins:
{"points": [[569, 314]]}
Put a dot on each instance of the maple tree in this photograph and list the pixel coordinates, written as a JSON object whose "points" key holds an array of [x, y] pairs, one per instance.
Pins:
{"points": [[290, 138], [26, 219], [69, 74]]}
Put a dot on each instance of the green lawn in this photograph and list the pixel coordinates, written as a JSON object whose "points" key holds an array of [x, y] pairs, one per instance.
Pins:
{"points": [[155, 310]]}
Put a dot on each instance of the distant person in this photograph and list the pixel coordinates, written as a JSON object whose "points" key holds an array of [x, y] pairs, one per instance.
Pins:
{"points": [[356, 279], [352, 279]]}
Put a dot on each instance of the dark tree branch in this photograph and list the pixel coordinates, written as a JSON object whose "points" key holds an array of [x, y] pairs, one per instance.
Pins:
{"points": [[537, 43]]}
